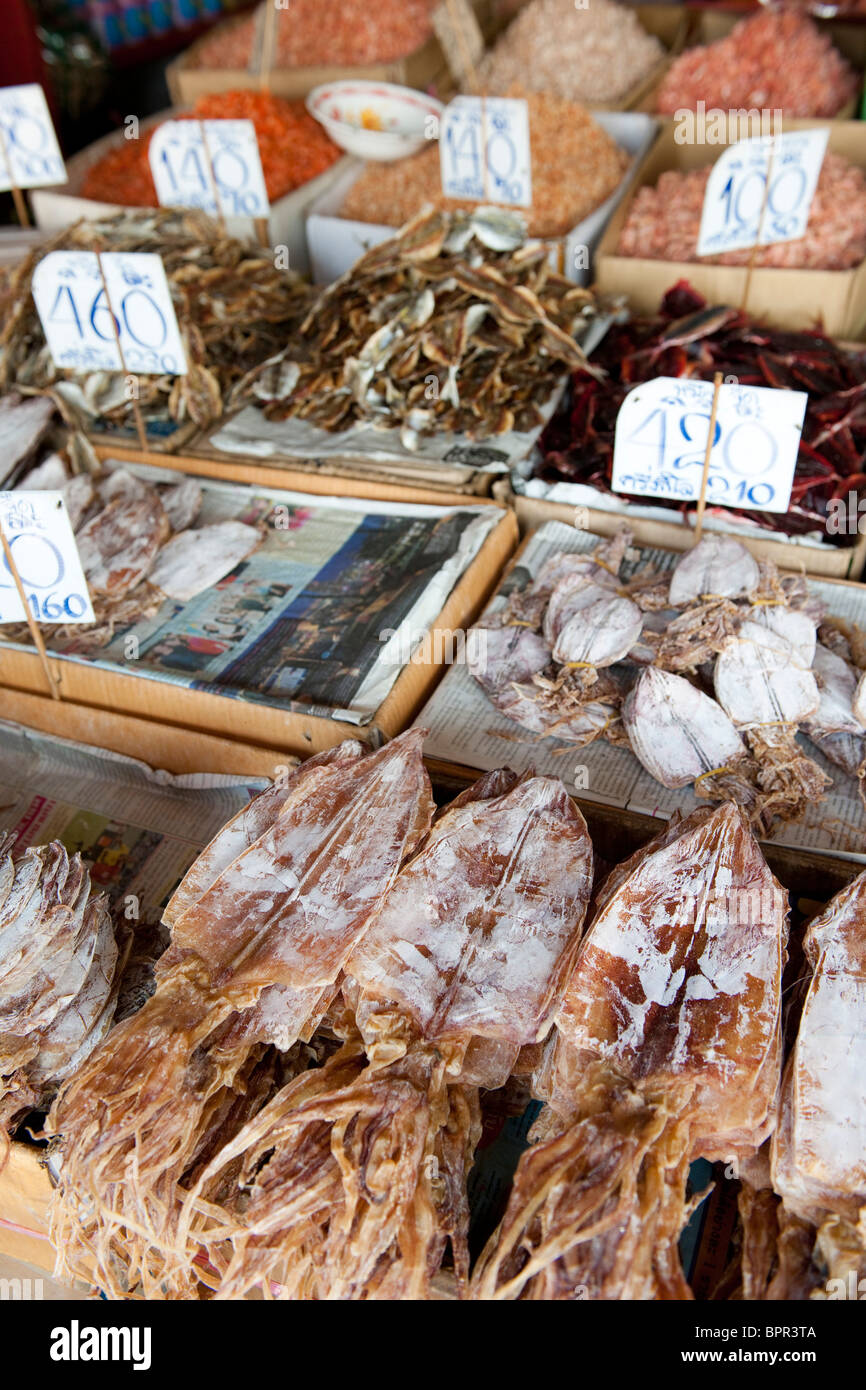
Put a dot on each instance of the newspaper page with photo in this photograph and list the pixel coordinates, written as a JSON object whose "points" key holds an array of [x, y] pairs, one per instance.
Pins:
{"points": [[312, 619], [467, 730]]}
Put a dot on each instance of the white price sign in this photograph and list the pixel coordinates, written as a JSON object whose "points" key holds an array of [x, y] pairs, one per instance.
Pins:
{"points": [[737, 192], [661, 441], [195, 162], [40, 536], [30, 155], [70, 297], [484, 150]]}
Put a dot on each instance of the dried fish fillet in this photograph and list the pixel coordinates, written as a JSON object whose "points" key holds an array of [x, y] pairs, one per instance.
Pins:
{"points": [[283, 913], [668, 1047]]}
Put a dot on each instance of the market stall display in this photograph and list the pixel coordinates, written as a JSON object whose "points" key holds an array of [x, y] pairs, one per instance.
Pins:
{"points": [[576, 166], [692, 339], [293, 149], [775, 60], [233, 306], [484, 923], [598, 54]]}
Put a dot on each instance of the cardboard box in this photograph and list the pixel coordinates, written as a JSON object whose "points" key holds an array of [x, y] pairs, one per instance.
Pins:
{"points": [[828, 561], [335, 243], [57, 208], [797, 299], [425, 68], [279, 731]]}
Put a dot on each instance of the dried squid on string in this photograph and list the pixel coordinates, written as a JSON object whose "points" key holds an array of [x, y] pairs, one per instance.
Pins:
{"points": [[352, 1180], [60, 969], [544, 658], [834, 727], [682, 737], [257, 948], [818, 1152], [763, 684], [667, 1048]]}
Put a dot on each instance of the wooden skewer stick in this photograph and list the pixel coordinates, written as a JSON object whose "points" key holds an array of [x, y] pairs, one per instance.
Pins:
{"points": [[136, 408], [35, 630], [220, 215], [702, 500], [757, 246], [17, 196], [268, 42], [468, 65]]}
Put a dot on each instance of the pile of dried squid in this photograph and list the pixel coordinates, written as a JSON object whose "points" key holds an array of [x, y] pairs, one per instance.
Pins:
{"points": [[296, 1110], [708, 674], [234, 308]]}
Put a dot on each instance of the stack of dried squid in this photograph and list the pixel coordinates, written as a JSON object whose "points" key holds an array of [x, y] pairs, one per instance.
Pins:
{"points": [[61, 961], [458, 323], [667, 1048], [709, 675], [138, 543], [187, 1166], [234, 308]]}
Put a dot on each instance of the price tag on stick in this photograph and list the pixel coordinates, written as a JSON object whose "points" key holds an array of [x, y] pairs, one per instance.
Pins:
{"points": [[73, 304], [760, 191], [211, 165], [31, 156], [484, 150], [41, 579], [662, 432]]}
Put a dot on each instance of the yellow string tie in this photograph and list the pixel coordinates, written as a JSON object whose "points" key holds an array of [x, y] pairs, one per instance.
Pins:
{"points": [[714, 772], [579, 666], [519, 622]]}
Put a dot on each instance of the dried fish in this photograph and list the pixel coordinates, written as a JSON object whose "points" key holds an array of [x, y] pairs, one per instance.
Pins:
{"points": [[681, 735], [233, 306], [193, 561], [392, 340]]}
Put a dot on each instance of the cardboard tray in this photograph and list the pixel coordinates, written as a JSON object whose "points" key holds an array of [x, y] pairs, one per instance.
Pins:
{"points": [[785, 298], [335, 243], [424, 68], [823, 562], [57, 208], [715, 22], [245, 723]]}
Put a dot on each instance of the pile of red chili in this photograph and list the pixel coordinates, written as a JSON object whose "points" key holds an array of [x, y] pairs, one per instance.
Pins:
{"points": [[689, 339], [293, 148]]}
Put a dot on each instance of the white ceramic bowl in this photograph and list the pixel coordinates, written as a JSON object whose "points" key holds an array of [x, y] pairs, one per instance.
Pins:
{"points": [[374, 120]]}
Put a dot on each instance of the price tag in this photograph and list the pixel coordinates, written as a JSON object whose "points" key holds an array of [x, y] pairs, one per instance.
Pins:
{"points": [[735, 197], [661, 440], [484, 150], [70, 298], [189, 164], [30, 155], [40, 536]]}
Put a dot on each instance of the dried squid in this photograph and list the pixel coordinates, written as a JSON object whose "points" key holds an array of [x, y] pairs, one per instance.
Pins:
{"points": [[818, 1153], [259, 938], [352, 1180], [667, 1048], [60, 970]]}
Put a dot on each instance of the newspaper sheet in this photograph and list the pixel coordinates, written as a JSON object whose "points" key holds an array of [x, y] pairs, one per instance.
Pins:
{"points": [[321, 618], [138, 829], [465, 728]]}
